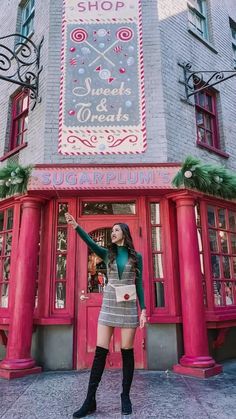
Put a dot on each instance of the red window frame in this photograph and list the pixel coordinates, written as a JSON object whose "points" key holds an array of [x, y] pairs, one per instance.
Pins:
{"points": [[6, 232], [68, 253], [222, 250], [202, 250], [205, 104], [158, 253], [20, 111]]}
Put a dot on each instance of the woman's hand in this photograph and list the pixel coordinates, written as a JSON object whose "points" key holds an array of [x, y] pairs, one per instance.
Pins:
{"points": [[143, 319], [70, 220]]}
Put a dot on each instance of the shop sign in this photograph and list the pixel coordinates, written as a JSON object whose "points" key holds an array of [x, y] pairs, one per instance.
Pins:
{"points": [[80, 178], [102, 103]]}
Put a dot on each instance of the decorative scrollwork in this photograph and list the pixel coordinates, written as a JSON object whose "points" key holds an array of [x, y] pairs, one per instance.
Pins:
{"points": [[131, 138], [71, 139], [196, 81], [20, 64]]}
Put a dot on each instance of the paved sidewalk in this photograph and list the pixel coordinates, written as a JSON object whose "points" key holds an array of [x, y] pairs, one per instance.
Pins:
{"points": [[55, 395]]}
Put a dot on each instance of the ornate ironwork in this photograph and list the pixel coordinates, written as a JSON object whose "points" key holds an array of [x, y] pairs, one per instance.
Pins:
{"points": [[20, 63], [198, 80]]}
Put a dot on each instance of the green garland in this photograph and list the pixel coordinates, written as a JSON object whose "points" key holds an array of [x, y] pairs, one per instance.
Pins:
{"points": [[213, 180], [14, 179]]}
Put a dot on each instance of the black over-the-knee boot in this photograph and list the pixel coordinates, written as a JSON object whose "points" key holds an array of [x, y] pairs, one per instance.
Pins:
{"points": [[99, 362], [128, 372]]}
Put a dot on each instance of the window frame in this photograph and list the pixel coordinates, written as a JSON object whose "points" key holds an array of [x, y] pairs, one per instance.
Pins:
{"points": [[9, 203], [110, 199], [233, 39], [15, 117], [212, 114], [202, 15], [3, 256], [212, 310], [66, 311], [26, 20], [171, 310], [154, 252]]}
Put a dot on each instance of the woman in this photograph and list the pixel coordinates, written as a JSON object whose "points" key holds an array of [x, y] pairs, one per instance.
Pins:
{"points": [[124, 267]]}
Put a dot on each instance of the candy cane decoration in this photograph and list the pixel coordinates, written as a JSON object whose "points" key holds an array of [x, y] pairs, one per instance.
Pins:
{"points": [[80, 35], [123, 34]]}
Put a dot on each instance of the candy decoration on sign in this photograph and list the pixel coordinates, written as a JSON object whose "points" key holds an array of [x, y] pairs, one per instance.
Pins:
{"points": [[104, 74], [125, 34], [79, 35]]}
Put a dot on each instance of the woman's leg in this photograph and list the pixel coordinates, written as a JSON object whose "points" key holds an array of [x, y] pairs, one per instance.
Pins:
{"points": [[127, 351], [104, 334], [127, 338]]}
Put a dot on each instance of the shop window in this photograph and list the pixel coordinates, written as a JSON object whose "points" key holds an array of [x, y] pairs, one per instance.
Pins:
{"points": [[206, 120], [97, 272], [60, 271], [37, 269], [222, 244], [6, 226], [200, 247], [27, 17], [109, 208], [19, 123], [197, 17], [233, 33], [157, 256]]}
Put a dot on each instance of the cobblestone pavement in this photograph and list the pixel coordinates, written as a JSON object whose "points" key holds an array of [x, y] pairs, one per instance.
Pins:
{"points": [[55, 395]]}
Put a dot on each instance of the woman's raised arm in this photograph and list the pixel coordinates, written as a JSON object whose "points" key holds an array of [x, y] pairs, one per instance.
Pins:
{"points": [[100, 251]]}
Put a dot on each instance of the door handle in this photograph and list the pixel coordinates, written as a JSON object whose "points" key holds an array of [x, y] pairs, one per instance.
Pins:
{"points": [[83, 297]]}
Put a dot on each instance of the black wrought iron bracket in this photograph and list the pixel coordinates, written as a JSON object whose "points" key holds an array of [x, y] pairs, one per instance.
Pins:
{"points": [[20, 63], [198, 80]]}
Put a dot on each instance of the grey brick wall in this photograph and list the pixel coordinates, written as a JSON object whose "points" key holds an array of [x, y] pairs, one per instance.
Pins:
{"points": [[171, 126], [178, 44]]}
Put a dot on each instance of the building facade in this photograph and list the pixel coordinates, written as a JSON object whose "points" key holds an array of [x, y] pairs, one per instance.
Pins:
{"points": [[106, 139]]}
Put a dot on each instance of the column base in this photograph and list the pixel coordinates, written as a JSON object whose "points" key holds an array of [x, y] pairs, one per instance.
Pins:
{"points": [[198, 372], [197, 361], [10, 374], [17, 364]]}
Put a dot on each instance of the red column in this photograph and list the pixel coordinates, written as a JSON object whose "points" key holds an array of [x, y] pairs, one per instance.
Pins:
{"points": [[196, 360], [18, 361]]}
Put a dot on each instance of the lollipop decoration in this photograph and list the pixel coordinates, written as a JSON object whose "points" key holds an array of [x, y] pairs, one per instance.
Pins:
{"points": [[124, 34], [79, 35]]}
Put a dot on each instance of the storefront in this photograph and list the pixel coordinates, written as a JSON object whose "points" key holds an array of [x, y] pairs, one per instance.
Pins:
{"points": [[188, 243]]}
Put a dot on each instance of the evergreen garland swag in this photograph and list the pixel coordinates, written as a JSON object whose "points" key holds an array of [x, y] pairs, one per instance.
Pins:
{"points": [[14, 179], [213, 180]]}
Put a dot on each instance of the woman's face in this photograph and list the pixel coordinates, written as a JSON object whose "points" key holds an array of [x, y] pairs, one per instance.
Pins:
{"points": [[117, 235]]}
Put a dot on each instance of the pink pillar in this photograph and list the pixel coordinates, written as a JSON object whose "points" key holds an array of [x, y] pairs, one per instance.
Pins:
{"points": [[196, 360], [18, 361]]}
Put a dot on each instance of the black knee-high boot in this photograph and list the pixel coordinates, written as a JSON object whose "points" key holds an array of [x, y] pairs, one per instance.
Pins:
{"points": [[99, 362], [128, 372]]}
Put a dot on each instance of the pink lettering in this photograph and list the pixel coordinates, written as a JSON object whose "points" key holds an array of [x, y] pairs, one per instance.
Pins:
{"points": [[81, 6], [119, 5], [108, 3], [103, 5]]}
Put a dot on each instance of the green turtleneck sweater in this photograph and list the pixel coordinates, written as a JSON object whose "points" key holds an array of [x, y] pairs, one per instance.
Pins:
{"points": [[121, 260]]}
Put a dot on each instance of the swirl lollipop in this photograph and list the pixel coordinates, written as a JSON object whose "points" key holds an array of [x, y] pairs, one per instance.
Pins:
{"points": [[125, 34], [79, 35]]}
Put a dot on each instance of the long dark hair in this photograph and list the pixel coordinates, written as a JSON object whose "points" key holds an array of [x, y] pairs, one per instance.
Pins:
{"points": [[128, 242]]}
